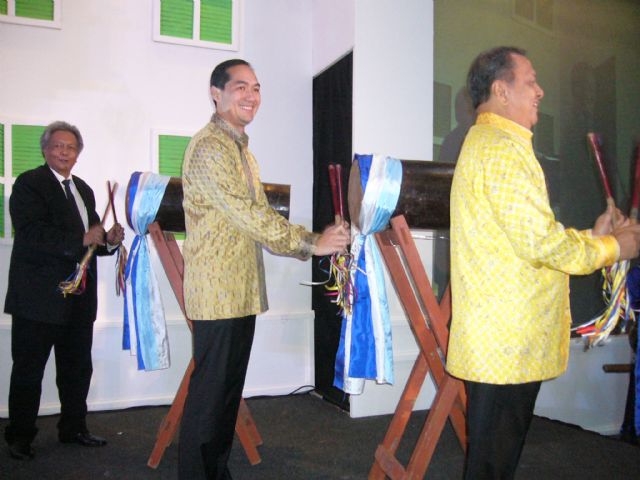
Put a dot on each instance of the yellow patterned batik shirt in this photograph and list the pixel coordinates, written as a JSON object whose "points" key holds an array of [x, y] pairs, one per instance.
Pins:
{"points": [[228, 220], [510, 261]]}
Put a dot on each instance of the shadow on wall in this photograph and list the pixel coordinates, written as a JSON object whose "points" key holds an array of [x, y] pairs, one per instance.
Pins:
{"points": [[449, 151], [465, 117]]}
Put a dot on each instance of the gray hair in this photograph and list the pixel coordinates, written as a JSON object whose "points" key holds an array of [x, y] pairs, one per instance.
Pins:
{"points": [[489, 66], [57, 127]]}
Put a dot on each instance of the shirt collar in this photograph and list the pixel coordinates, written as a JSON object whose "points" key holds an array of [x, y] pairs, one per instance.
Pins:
{"points": [[241, 138], [489, 118], [59, 177]]}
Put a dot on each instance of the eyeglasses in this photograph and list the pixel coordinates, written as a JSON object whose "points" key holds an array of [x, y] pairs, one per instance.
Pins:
{"points": [[61, 147]]}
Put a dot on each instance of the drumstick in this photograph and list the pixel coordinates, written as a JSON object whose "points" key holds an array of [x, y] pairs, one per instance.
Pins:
{"points": [[334, 193], [340, 201], [635, 199], [594, 142], [111, 202]]}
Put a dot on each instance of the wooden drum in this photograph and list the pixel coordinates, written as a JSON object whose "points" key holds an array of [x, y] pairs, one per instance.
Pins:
{"points": [[424, 194], [170, 214]]}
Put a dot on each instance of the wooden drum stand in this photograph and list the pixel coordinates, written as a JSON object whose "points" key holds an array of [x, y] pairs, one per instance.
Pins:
{"points": [[173, 265], [428, 321]]}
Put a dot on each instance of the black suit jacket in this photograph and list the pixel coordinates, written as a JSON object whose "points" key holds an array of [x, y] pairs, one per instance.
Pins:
{"points": [[46, 249]]}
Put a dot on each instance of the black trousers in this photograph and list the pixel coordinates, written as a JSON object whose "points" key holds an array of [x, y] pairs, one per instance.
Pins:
{"points": [[31, 344], [498, 419], [221, 350]]}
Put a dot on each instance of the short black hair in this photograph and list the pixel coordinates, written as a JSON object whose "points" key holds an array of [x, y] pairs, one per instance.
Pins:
{"points": [[57, 127], [489, 66], [220, 75]]}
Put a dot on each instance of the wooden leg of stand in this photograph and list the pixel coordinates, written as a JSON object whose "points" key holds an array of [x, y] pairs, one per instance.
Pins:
{"points": [[245, 426], [426, 445], [458, 414], [247, 419], [247, 432], [169, 425], [386, 462]]}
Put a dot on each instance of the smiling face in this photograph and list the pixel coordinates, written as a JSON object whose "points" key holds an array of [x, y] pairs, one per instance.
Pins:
{"points": [[239, 100], [61, 153], [522, 95]]}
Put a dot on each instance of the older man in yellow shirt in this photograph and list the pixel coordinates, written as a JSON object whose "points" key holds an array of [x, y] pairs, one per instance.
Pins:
{"points": [[228, 222], [510, 265]]}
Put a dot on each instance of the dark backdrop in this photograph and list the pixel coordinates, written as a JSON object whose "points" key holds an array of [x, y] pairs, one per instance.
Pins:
{"points": [[332, 120]]}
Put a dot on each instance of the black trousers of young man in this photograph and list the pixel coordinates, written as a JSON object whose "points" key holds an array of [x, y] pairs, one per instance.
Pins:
{"points": [[221, 350], [31, 344], [498, 419]]}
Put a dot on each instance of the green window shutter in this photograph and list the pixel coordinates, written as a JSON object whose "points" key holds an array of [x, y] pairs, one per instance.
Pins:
{"points": [[25, 151], [1, 150], [3, 7], [40, 9], [1, 175], [176, 18], [1, 210], [216, 21], [171, 154]]}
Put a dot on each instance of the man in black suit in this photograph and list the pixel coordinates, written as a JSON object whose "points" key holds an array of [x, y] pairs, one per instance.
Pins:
{"points": [[55, 221]]}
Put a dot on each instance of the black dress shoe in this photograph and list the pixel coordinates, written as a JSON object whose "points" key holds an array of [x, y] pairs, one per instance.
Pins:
{"points": [[85, 439], [21, 450]]}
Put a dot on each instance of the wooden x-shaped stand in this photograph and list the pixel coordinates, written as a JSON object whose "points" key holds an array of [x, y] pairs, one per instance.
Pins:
{"points": [[428, 321], [173, 265]]}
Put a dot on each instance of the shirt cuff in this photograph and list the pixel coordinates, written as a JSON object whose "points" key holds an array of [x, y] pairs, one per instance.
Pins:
{"points": [[308, 249], [610, 249]]}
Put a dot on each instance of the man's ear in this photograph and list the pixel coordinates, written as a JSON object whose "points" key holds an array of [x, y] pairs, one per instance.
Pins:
{"points": [[215, 93], [499, 91]]}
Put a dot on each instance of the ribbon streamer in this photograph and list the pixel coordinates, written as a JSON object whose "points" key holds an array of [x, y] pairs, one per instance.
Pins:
{"points": [[339, 284], [365, 349]]}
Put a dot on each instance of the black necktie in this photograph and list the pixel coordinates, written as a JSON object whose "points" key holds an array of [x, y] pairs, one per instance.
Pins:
{"points": [[75, 213]]}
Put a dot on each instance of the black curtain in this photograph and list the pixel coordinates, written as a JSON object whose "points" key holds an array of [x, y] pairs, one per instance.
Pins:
{"points": [[332, 120]]}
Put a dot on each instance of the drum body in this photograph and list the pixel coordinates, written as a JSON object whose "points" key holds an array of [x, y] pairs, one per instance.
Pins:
{"points": [[424, 194], [170, 214]]}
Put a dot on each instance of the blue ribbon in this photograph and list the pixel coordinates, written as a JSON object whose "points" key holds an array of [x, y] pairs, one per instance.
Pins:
{"points": [[145, 195], [637, 374], [132, 189], [365, 349], [633, 288]]}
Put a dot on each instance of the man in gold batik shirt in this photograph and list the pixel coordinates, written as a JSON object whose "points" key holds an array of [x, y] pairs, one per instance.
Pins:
{"points": [[510, 265], [228, 222]]}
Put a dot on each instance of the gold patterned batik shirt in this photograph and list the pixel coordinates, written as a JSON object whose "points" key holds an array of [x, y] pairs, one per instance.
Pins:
{"points": [[228, 220], [510, 261]]}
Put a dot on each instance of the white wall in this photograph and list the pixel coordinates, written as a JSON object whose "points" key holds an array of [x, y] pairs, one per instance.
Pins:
{"points": [[332, 30], [393, 78], [586, 395], [103, 73]]}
